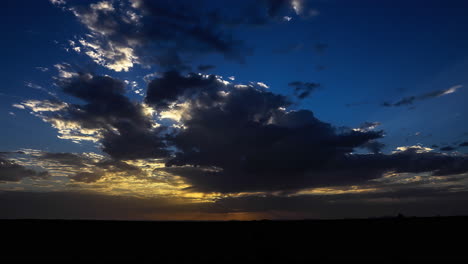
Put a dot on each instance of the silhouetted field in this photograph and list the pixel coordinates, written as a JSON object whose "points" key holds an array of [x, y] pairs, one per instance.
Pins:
{"points": [[439, 239]]}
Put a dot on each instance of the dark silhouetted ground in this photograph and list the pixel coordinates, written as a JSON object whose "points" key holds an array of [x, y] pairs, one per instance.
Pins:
{"points": [[439, 239]]}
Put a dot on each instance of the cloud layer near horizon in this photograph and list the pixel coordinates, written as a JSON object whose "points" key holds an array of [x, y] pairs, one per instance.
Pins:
{"points": [[222, 137]]}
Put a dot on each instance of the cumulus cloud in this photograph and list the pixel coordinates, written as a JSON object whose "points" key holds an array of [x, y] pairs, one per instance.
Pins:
{"points": [[224, 137]]}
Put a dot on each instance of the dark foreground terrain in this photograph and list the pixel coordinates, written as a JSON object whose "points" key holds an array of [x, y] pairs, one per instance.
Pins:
{"points": [[440, 239]]}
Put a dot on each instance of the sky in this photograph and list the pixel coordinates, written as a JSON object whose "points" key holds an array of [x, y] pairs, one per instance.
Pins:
{"points": [[242, 110]]}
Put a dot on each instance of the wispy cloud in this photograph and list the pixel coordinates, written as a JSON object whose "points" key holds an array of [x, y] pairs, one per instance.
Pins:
{"points": [[411, 99]]}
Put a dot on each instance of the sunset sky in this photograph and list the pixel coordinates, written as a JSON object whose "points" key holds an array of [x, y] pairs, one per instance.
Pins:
{"points": [[219, 110]]}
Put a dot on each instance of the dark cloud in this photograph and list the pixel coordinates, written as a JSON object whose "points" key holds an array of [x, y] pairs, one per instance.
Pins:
{"points": [[233, 138], [405, 101], [244, 141], [303, 89], [172, 86], [11, 171], [88, 169], [448, 148], [126, 131], [205, 67], [155, 32], [464, 144], [64, 158], [373, 146], [171, 34], [87, 177]]}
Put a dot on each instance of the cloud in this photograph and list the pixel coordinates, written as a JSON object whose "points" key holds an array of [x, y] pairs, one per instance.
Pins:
{"points": [[237, 137], [43, 106], [42, 69], [122, 127], [367, 126], [173, 86], [222, 137], [40, 88], [168, 33], [152, 32], [13, 172], [205, 67], [127, 132], [19, 106], [374, 146], [303, 89], [245, 140], [86, 167], [65, 70], [58, 2], [411, 99], [412, 201], [464, 144], [408, 201], [448, 148]]}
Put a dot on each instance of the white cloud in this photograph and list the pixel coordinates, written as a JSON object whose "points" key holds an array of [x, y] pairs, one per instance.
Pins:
{"points": [[417, 148], [69, 130], [19, 106], [58, 2], [104, 6], [65, 71], [72, 130], [116, 57], [297, 6], [43, 106], [148, 77], [263, 85], [452, 89]]}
